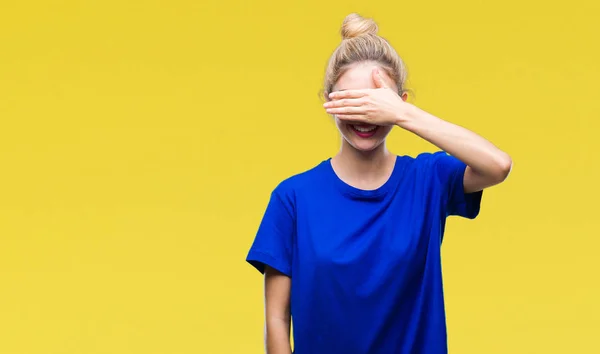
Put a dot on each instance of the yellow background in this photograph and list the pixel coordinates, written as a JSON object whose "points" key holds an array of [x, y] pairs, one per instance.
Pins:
{"points": [[139, 142]]}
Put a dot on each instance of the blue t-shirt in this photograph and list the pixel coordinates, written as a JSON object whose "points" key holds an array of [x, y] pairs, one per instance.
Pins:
{"points": [[365, 266]]}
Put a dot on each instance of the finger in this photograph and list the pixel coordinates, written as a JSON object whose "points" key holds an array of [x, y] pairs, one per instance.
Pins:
{"points": [[346, 110], [346, 102], [378, 78], [347, 94], [357, 118]]}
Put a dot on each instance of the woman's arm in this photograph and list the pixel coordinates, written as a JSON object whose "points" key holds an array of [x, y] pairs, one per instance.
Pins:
{"points": [[277, 312], [486, 164]]}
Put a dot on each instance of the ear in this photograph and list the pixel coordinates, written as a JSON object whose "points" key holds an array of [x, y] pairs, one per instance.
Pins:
{"points": [[404, 96]]}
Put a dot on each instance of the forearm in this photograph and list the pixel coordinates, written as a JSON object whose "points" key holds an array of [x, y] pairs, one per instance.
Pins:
{"points": [[483, 157], [277, 336]]}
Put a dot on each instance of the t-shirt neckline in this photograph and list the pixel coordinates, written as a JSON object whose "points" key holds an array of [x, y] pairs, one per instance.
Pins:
{"points": [[347, 189]]}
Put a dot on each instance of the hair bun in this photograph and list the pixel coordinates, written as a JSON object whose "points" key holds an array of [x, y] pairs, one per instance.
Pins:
{"points": [[355, 25]]}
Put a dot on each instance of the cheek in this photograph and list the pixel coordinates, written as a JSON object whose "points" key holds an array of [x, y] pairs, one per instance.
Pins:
{"points": [[343, 127], [338, 123], [384, 131]]}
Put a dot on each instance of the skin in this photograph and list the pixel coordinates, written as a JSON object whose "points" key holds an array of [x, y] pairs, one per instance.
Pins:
{"points": [[277, 312], [365, 95]]}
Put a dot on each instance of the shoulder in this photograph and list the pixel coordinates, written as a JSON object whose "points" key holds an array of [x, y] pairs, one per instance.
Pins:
{"points": [[423, 162], [430, 158], [300, 181], [443, 168], [434, 161], [436, 166]]}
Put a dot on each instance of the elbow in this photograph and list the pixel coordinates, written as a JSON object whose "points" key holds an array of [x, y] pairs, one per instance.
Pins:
{"points": [[503, 168], [281, 320]]}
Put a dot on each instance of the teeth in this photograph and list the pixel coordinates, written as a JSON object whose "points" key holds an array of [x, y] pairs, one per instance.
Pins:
{"points": [[365, 129]]}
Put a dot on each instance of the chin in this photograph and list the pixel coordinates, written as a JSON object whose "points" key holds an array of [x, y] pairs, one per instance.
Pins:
{"points": [[368, 144], [364, 145]]}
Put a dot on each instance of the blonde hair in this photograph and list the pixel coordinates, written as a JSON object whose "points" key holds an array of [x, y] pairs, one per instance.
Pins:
{"points": [[360, 43]]}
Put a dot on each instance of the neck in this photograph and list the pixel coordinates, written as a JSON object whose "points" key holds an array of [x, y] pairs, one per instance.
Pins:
{"points": [[364, 166]]}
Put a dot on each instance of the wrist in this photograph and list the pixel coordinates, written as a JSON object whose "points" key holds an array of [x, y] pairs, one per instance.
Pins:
{"points": [[407, 116]]}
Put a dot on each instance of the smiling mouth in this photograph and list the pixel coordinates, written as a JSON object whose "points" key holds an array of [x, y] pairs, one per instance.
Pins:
{"points": [[364, 128], [364, 131]]}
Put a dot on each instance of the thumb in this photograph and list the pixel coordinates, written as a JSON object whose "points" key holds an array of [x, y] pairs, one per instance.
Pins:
{"points": [[378, 78]]}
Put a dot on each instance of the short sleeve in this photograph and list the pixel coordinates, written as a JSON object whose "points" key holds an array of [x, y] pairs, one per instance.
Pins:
{"points": [[273, 243], [450, 172]]}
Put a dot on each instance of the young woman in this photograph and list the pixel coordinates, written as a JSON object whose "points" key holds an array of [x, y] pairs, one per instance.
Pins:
{"points": [[350, 249]]}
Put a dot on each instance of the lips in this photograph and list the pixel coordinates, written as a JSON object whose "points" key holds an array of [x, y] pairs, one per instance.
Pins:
{"points": [[364, 131]]}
